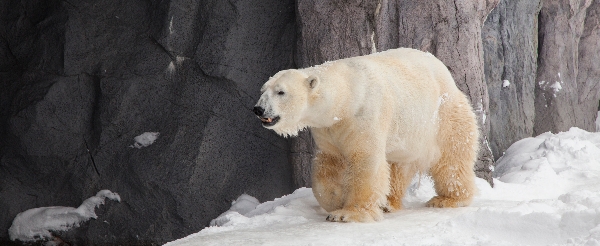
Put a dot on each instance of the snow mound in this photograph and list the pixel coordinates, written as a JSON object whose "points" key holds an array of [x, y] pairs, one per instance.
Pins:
{"points": [[548, 157], [37, 223], [572, 219], [241, 206]]}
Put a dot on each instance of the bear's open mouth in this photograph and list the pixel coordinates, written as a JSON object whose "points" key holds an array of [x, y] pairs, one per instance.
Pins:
{"points": [[269, 121]]}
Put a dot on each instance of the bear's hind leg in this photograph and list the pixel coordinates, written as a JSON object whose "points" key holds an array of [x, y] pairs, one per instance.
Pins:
{"points": [[454, 183], [400, 178], [327, 180], [453, 175]]}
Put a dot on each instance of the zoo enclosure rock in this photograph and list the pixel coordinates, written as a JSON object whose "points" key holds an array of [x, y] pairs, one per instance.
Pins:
{"points": [[84, 78], [510, 41], [546, 51], [561, 96]]}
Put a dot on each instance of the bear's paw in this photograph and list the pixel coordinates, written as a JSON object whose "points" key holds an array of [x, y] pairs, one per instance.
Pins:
{"points": [[446, 202], [393, 204], [363, 215]]}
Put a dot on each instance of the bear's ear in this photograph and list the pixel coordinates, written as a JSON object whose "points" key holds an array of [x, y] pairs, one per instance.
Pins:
{"points": [[313, 81]]}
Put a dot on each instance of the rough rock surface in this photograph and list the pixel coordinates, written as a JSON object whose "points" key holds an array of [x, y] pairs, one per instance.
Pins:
{"points": [[541, 69], [81, 79], [588, 74], [510, 47], [557, 90]]}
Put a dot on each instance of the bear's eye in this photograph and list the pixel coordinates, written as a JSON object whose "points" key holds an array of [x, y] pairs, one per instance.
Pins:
{"points": [[281, 93]]}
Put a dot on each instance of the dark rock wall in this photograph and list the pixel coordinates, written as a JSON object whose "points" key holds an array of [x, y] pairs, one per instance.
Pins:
{"points": [[332, 30], [81, 79]]}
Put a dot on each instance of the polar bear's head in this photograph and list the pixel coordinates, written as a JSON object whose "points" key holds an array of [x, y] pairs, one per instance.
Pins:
{"points": [[283, 105]]}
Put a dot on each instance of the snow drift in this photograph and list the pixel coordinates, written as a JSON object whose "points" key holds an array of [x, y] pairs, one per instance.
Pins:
{"points": [[547, 192]]}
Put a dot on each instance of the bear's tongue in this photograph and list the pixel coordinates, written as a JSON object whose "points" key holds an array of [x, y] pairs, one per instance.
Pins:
{"points": [[266, 120]]}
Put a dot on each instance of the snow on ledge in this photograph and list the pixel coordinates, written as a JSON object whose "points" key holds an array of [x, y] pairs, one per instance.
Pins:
{"points": [[145, 139], [36, 223]]}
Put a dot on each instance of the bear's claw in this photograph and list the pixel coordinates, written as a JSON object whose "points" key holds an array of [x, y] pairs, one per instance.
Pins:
{"points": [[391, 207], [333, 218]]}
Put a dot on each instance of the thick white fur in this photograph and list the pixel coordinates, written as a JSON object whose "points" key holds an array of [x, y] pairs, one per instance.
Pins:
{"points": [[377, 120]]}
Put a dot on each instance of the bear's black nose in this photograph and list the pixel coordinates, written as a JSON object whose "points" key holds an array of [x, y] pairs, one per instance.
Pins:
{"points": [[259, 110]]}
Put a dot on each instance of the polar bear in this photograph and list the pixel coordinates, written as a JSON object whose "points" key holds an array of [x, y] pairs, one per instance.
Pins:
{"points": [[377, 120]]}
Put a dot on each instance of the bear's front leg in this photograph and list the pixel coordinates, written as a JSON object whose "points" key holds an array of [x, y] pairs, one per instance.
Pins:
{"points": [[367, 182], [327, 183]]}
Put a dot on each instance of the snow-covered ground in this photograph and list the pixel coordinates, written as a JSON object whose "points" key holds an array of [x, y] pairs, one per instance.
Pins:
{"points": [[547, 192]]}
